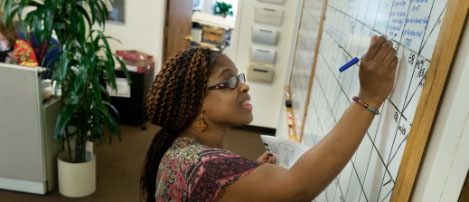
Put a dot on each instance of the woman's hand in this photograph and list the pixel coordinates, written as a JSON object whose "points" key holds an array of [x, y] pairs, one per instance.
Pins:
{"points": [[377, 72], [267, 158]]}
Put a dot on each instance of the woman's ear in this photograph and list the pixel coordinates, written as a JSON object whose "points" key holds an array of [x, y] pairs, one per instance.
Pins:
{"points": [[200, 123]]}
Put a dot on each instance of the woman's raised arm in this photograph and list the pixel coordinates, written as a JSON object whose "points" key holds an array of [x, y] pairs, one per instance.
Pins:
{"points": [[322, 163]]}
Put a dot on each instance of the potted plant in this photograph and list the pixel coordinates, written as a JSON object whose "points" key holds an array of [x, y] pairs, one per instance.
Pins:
{"points": [[223, 9], [86, 65]]}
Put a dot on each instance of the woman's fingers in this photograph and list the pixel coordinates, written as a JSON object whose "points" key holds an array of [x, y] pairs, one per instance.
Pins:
{"points": [[272, 159], [393, 63], [390, 56], [374, 48], [386, 47], [266, 157], [263, 158], [373, 39]]}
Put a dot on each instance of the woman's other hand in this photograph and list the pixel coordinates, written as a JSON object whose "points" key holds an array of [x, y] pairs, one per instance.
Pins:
{"points": [[377, 72], [266, 157]]}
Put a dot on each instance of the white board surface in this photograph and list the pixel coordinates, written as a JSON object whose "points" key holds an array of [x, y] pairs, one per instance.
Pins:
{"points": [[303, 59], [413, 26]]}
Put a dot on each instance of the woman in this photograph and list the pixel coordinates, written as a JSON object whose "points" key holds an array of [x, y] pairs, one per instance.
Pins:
{"points": [[13, 49], [199, 95]]}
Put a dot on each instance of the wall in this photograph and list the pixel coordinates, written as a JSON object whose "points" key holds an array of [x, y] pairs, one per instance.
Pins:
{"points": [[207, 6], [266, 98], [446, 163], [143, 28]]}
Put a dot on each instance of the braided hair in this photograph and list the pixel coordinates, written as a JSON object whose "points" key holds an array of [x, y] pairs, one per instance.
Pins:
{"points": [[173, 102]]}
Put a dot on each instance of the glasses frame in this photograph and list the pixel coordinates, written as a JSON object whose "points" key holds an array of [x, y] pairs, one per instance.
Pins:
{"points": [[226, 84]]}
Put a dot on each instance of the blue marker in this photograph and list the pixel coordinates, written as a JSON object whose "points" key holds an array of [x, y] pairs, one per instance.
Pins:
{"points": [[351, 63]]}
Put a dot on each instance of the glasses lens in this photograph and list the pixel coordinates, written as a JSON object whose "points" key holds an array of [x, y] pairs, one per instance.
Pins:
{"points": [[232, 82], [242, 78]]}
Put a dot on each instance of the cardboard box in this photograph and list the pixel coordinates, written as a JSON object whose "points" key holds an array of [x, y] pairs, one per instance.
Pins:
{"points": [[208, 45], [136, 61], [133, 55], [213, 34]]}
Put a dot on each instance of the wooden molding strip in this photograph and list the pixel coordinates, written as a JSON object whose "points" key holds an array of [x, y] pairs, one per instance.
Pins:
{"points": [[313, 69], [440, 65]]}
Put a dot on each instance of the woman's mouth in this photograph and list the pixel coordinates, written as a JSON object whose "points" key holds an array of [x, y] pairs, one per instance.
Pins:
{"points": [[246, 105]]}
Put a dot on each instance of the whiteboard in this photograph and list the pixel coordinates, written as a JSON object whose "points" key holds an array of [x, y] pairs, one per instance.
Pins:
{"points": [[413, 26], [303, 58]]}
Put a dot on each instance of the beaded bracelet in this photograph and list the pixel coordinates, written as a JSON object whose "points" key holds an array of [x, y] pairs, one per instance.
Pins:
{"points": [[366, 106]]}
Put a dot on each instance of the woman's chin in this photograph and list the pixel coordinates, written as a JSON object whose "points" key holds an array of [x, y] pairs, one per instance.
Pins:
{"points": [[242, 122], [248, 120]]}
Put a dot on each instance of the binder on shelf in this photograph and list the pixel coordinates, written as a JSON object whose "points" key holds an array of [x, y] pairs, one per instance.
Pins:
{"points": [[263, 55], [268, 16], [264, 35], [261, 72], [273, 1]]}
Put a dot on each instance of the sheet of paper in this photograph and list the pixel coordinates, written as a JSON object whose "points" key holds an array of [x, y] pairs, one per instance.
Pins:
{"points": [[123, 88], [286, 151]]}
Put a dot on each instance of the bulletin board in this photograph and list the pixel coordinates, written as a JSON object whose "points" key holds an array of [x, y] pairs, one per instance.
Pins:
{"points": [[425, 33]]}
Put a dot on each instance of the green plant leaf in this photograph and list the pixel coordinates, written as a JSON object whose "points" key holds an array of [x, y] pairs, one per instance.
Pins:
{"points": [[101, 6], [109, 121], [8, 12], [81, 79], [124, 69], [21, 6], [52, 60], [110, 67], [92, 7], [114, 110], [97, 91], [63, 65], [96, 131], [86, 15], [65, 116], [81, 30], [37, 24], [49, 9], [105, 93]]}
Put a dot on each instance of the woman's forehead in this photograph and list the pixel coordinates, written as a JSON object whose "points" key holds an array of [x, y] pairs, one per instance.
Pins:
{"points": [[223, 66]]}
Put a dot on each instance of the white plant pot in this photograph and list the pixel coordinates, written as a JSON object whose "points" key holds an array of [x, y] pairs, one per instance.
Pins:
{"points": [[77, 179]]}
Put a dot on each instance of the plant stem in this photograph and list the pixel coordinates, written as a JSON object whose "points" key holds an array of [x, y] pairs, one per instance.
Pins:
{"points": [[77, 148], [67, 139], [84, 146]]}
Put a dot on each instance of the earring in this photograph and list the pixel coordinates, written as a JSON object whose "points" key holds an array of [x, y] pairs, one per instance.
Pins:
{"points": [[200, 123]]}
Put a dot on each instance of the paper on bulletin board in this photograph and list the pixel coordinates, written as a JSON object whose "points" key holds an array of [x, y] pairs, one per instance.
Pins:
{"points": [[286, 151], [122, 90]]}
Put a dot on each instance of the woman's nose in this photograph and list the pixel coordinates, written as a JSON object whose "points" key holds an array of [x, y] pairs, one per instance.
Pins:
{"points": [[244, 87]]}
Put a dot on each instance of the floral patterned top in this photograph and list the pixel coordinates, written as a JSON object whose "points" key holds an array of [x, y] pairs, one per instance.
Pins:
{"points": [[24, 54], [190, 171]]}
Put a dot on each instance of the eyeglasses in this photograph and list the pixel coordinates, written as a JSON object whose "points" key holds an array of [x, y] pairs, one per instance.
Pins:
{"points": [[231, 82]]}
